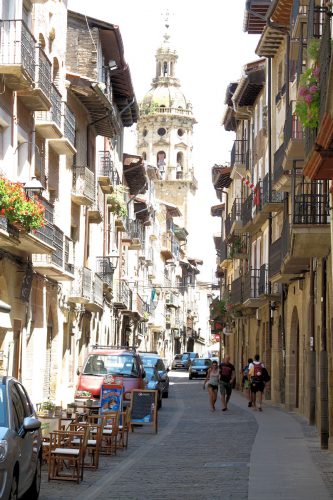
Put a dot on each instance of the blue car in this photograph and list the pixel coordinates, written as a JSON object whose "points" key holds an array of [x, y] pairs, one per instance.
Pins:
{"points": [[154, 382]]}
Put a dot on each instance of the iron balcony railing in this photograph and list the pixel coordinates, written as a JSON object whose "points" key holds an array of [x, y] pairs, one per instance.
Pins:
{"points": [[82, 284], [54, 115], [12, 231], [123, 295], [69, 255], [278, 162], [105, 269], [84, 182], [106, 168], [224, 251], [135, 229], [139, 304], [239, 153], [311, 209], [316, 20], [293, 129], [236, 291], [275, 257], [46, 232], [251, 284], [236, 210], [57, 256], [270, 195], [69, 124], [247, 209], [263, 280], [302, 56], [43, 72], [97, 291], [17, 46]]}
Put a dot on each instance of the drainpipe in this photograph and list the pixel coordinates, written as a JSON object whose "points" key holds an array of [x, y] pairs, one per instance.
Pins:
{"points": [[269, 136], [312, 351], [323, 362]]}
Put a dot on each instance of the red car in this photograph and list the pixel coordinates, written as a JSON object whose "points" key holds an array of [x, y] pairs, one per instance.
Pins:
{"points": [[122, 362]]}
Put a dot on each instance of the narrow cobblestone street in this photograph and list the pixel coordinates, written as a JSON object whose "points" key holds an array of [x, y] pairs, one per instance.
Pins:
{"points": [[199, 455]]}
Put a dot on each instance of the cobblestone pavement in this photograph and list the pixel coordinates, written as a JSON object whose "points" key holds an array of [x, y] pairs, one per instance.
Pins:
{"points": [[196, 454]]}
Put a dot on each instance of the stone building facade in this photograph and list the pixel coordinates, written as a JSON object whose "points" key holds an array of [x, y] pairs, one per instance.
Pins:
{"points": [[279, 291]]}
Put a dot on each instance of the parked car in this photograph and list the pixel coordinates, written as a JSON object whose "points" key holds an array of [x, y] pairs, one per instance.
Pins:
{"points": [[187, 358], [20, 442], [153, 359], [177, 362], [199, 367], [122, 362], [154, 382]]}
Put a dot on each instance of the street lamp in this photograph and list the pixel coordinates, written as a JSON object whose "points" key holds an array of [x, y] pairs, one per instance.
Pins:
{"points": [[33, 187]]}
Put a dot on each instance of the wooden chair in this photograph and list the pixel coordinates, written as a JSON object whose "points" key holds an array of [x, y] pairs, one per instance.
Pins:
{"points": [[93, 442], [110, 432], [124, 427], [66, 457]]}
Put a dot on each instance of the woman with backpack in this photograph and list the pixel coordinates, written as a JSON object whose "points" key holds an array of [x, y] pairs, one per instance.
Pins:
{"points": [[258, 376]]}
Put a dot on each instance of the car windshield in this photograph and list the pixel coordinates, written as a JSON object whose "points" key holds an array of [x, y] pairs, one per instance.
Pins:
{"points": [[3, 407], [201, 362], [148, 361], [114, 364], [185, 356]]}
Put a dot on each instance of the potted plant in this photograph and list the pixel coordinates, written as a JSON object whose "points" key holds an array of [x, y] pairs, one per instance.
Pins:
{"points": [[22, 212], [47, 409], [308, 102], [116, 201]]}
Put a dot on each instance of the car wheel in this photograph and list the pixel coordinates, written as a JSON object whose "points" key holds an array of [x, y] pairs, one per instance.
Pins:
{"points": [[14, 489], [33, 492]]}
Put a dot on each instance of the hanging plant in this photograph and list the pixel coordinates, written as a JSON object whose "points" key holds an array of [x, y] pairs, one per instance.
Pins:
{"points": [[117, 202], [26, 213], [217, 309], [308, 102]]}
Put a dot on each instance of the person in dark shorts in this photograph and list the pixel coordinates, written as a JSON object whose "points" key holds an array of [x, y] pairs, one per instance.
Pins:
{"points": [[227, 379], [257, 382], [212, 378]]}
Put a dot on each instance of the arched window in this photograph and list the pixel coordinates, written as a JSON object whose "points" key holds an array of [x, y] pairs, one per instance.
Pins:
{"points": [[165, 68], [180, 165], [161, 156]]}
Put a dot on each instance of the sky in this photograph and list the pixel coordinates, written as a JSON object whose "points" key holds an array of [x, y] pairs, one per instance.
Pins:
{"points": [[212, 48]]}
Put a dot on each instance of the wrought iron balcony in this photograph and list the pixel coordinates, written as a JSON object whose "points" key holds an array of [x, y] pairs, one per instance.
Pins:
{"points": [[224, 252], [9, 235], [272, 200], [81, 287], [53, 265], [83, 190], [239, 153], [135, 230], [66, 143], [108, 176], [236, 291], [275, 258], [247, 214], [239, 246], [122, 298], [138, 305], [263, 285], [294, 139], [95, 302], [105, 269], [48, 123], [251, 288], [17, 54], [69, 256], [172, 300], [281, 177]]}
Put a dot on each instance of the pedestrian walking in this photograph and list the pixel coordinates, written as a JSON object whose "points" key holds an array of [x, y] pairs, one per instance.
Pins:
{"points": [[246, 381], [212, 379], [227, 379], [256, 377]]}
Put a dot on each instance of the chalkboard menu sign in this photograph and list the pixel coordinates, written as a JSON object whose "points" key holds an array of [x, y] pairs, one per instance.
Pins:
{"points": [[144, 407]]}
